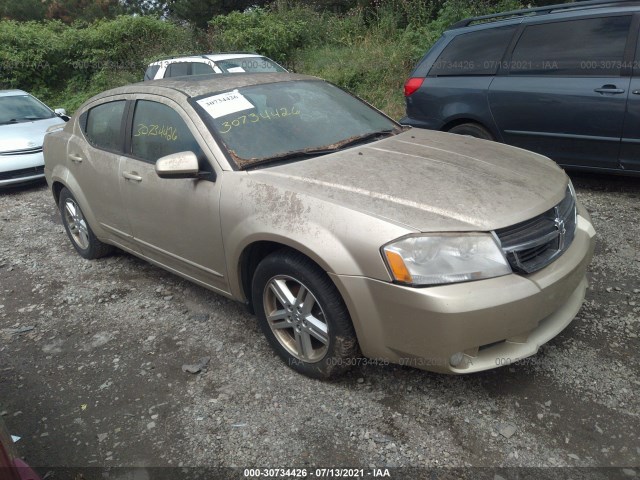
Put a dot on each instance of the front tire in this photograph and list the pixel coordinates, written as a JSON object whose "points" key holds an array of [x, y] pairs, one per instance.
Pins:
{"points": [[82, 237], [303, 316]]}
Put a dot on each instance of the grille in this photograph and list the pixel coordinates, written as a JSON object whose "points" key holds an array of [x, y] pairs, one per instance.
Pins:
{"points": [[26, 151], [23, 173], [533, 244]]}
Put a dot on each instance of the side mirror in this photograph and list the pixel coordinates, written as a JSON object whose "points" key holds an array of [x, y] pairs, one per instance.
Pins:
{"points": [[178, 165], [62, 113]]}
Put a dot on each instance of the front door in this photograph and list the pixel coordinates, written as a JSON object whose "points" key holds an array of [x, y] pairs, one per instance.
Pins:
{"points": [[176, 222]]}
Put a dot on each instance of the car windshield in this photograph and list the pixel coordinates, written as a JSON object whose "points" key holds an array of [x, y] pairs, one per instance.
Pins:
{"points": [[22, 108], [287, 120], [249, 64]]}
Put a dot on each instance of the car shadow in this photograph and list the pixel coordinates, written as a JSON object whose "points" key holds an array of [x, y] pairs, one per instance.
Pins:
{"points": [[605, 182], [22, 187]]}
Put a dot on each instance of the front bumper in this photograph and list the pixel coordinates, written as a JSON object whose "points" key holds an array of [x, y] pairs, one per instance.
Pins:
{"points": [[16, 169], [493, 322]]}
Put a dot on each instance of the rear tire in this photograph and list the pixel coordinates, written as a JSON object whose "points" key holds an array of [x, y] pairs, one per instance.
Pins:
{"points": [[303, 316], [472, 130], [82, 237]]}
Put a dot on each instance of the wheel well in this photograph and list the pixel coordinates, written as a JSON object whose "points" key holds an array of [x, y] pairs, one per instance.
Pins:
{"points": [[57, 188], [251, 256], [460, 121]]}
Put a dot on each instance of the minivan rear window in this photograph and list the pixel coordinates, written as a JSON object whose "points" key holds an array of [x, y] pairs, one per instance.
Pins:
{"points": [[475, 53]]}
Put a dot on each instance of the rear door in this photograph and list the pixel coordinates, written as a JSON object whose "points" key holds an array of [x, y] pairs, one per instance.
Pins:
{"points": [[175, 222], [94, 159], [564, 90], [630, 148]]}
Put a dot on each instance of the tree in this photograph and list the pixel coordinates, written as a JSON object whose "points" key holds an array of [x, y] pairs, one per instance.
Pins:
{"points": [[69, 11], [200, 12], [22, 10], [145, 7]]}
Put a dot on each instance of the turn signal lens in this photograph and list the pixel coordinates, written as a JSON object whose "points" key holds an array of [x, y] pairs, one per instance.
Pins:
{"points": [[398, 267]]}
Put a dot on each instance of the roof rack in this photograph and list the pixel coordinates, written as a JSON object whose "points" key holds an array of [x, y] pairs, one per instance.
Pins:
{"points": [[547, 9]]}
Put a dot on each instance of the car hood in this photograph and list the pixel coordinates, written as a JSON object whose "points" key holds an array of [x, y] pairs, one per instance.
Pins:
{"points": [[25, 135], [429, 181]]}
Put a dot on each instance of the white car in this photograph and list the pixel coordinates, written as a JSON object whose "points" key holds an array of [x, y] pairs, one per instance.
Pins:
{"points": [[23, 122], [212, 63]]}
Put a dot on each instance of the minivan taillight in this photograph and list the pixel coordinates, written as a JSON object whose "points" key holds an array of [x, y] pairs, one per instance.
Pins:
{"points": [[411, 85]]}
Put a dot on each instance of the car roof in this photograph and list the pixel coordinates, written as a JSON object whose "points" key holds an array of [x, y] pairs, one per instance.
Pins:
{"points": [[538, 14], [227, 56], [197, 85], [214, 57], [12, 93]]}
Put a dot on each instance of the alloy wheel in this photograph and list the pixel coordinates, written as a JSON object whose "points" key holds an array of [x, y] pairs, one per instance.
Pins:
{"points": [[76, 223], [296, 318]]}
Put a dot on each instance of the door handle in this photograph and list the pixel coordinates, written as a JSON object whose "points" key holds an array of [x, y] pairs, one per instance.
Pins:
{"points": [[132, 176], [609, 89], [636, 92], [75, 158]]}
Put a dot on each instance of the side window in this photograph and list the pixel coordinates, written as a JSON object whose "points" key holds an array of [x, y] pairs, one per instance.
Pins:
{"points": [[177, 69], [475, 53], [201, 69], [103, 124], [590, 47], [150, 74], [158, 130]]}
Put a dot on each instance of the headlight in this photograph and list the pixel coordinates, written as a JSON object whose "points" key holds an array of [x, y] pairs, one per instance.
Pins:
{"points": [[435, 260]]}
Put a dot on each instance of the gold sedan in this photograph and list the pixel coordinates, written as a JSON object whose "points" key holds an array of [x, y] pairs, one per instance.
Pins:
{"points": [[350, 236]]}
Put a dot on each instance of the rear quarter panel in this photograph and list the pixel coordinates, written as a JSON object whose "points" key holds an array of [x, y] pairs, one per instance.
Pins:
{"points": [[443, 100], [55, 153]]}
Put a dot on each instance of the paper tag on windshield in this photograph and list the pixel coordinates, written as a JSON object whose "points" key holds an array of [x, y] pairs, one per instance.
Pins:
{"points": [[225, 104], [235, 70]]}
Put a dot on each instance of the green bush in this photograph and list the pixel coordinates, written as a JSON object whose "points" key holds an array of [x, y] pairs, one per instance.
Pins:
{"points": [[31, 54], [375, 62], [274, 34], [369, 50], [64, 65]]}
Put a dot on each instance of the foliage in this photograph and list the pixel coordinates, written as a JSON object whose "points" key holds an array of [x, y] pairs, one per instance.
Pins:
{"points": [[22, 10], [51, 58], [370, 49], [67, 11], [277, 34], [199, 12]]}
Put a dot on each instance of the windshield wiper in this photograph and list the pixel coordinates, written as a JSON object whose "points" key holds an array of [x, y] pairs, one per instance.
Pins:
{"points": [[308, 152], [350, 142], [23, 119], [296, 154], [347, 142]]}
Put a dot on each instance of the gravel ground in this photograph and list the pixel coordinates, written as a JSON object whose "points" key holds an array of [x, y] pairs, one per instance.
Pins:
{"points": [[97, 379]]}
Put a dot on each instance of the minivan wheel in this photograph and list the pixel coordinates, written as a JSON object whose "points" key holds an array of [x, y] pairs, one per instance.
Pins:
{"points": [[78, 230], [303, 316], [472, 130]]}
